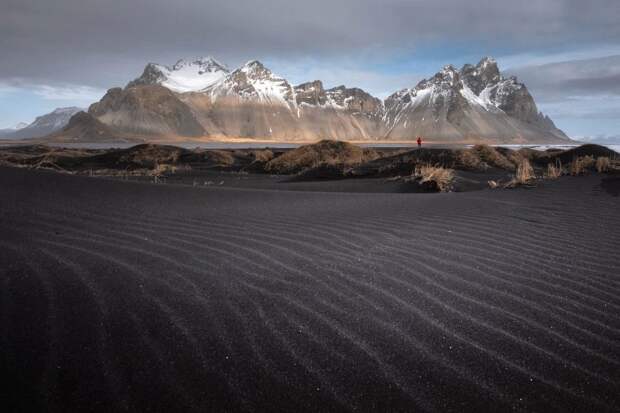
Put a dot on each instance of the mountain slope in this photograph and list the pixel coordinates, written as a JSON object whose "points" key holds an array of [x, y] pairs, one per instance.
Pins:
{"points": [[7, 132], [253, 102], [45, 124], [83, 127], [148, 110]]}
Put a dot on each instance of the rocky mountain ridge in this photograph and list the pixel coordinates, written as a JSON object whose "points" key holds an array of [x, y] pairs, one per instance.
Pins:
{"points": [[202, 98]]}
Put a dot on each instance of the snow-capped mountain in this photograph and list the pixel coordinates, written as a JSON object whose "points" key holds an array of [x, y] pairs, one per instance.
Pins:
{"points": [[45, 124], [473, 103], [190, 75], [201, 97]]}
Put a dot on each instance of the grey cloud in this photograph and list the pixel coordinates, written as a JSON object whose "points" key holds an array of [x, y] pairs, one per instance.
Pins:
{"points": [[100, 42], [566, 80]]}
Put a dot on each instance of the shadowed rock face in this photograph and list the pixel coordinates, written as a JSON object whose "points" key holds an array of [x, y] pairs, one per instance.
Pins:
{"points": [[480, 76], [355, 100], [152, 75], [311, 93], [472, 104], [148, 109], [85, 127]]}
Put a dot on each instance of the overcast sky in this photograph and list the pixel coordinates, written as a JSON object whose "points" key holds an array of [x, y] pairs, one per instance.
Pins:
{"points": [[68, 52]]}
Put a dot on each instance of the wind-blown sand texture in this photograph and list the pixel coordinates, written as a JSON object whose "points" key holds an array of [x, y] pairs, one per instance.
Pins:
{"points": [[132, 296]]}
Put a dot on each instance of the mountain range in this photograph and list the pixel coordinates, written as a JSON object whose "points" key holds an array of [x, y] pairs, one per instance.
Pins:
{"points": [[202, 97]]}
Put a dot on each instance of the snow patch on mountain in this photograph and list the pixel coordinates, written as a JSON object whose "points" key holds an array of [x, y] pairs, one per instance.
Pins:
{"points": [[253, 81], [186, 75]]}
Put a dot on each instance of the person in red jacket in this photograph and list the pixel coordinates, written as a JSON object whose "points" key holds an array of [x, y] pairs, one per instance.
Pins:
{"points": [[419, 142]]}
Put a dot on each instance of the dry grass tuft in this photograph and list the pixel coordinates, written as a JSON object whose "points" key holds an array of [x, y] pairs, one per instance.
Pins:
{"points": [[580, 165], [602, 164], [525, 172], [491, 156], [554, 171], [481, 157], [436, 176], [524, 176], [470, 160], [264, 155], [220, 158]]}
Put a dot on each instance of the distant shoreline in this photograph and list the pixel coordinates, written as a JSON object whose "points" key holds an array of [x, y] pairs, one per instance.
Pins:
{"points": [[253, 144]]}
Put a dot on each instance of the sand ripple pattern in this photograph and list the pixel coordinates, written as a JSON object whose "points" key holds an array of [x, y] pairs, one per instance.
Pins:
{"points": [[122, 296]]}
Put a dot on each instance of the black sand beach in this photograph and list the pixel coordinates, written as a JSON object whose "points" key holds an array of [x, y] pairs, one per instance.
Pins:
{"points": [[125, 296]]}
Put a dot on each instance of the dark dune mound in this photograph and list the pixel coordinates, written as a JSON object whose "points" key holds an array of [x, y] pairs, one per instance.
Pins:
{"points": [[404, 163], [139, 156], [43, 156], [323, 152], [580, 151], [119, 296], [478, 158]]}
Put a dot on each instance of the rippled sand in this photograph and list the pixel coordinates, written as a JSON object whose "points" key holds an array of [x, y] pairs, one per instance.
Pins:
{"points": [[133, 296]]}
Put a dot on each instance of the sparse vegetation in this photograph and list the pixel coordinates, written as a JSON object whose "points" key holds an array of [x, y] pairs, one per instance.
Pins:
{"points": [[483, 157], [435, 169], [580, 165], [468, 159], [554, 171], [493, 157], [525, 172], [602, 164], [325, 152], [166, 169], [219, 158], [524, 175], [264, 155], [435, 177]]}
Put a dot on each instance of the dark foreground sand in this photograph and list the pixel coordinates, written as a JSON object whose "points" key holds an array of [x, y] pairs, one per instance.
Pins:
{"points": [[129, 296]]}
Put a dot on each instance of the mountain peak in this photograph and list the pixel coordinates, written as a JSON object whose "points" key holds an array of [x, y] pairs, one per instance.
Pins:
{"points": [[70, 109], [186, 75], [254, 68], [204, 64], [485, 61], [485, 74], [254, 64], [253, 80]]}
